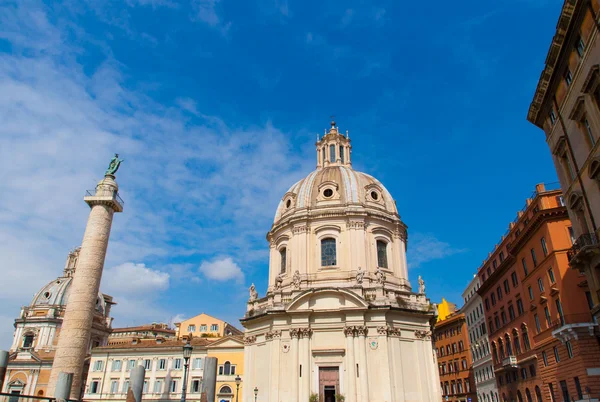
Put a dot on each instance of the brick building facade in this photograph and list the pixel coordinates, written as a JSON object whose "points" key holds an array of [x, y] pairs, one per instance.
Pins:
{"points": [[537, 309]]}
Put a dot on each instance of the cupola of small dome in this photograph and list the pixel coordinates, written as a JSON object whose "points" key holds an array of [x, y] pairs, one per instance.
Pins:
{"points": [[334, 148]]}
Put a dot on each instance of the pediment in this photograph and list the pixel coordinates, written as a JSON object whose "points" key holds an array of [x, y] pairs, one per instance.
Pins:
{"points": [[327, 299], [227, 342]]}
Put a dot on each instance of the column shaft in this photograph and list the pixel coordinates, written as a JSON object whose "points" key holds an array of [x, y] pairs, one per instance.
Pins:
{"points": [[350, 369], [364, 382], [74, 339], [294, 374]]}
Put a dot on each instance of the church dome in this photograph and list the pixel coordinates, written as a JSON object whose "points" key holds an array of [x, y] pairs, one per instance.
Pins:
{"points": [[335, 186], [56, 292]]}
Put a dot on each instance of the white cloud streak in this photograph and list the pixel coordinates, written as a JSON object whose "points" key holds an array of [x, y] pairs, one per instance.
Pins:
{"points": [[423, 248]]}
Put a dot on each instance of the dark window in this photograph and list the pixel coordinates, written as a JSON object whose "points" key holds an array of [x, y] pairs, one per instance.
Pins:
{"points": [[564, 390], [547, 315], [501, 256], [499, 291], [526, 339], [578, 388], [511, 312], [560, 311], [342, 153], [28, 341], [532, 370], [556, 355], [487, 304], [537, 323], [551, 389], [580, 46], [552, 116], [551, 276], [544, 246], [493, 299], [503, 315], [569, 349], [545, 358], [568, 80], [525, 272], [328, 253], [495, 264], [283, 255], [497, 322], [382, 254], [590, 302], [506, 287], [515, 280], [530, 293], [534, 257], [332, 153], [520, 309]]}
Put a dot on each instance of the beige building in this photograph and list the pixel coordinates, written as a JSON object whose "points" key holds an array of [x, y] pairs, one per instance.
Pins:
{"points": [[38, 328], [566, 105], [111, 365], [339, 315], [149, 331], [205, 326]]}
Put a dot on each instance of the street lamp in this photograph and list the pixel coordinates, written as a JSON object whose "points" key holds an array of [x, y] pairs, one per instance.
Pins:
{"points": [[187, 352], [255, 393], [238, 381]]}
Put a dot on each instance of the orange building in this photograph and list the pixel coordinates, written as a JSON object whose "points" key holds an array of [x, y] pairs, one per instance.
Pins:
{"points": [[454, 360], [537, 309], [566, 105]]}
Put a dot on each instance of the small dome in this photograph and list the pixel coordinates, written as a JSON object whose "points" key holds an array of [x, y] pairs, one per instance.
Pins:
{"points": [[337, 185]]}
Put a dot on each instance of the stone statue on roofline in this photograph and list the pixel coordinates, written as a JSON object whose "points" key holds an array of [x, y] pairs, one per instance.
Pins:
{"points": [[253, 293]]}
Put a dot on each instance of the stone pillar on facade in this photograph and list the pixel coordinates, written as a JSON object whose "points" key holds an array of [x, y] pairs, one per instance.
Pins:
{"points": [[350, 365], [74, 340], [294, 333], [209, 382], [275, 338], [305, 362], [362, 344]]}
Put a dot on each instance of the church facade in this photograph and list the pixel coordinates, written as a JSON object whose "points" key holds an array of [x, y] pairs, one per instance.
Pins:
{"points": [[340, 316]]}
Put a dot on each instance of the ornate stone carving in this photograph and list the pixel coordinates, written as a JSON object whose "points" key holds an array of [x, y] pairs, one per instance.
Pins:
{"points": [[273, 334], [349, 331], [306, 332], [249, 340], [421, 334], [421, 286], [356, 225], [362, 330], [380, 276], [360, 275], [296, 279], [295, 333], [388, 331], [253, 293], [300, 229]]}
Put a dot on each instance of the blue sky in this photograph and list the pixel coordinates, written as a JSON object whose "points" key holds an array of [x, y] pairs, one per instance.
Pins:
{"points": [[215, 106]]}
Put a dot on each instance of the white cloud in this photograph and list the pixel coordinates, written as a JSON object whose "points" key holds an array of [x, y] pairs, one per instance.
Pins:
{"points": [[423, 248], [180, 180], [222, 269], [134, 279]]}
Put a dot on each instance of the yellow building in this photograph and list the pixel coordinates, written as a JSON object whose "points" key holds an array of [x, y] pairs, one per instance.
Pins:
{"points": [[229, 352], [205, 326], [445, 308]]}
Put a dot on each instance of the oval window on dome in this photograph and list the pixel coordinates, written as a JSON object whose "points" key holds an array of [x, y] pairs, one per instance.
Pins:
{"points": [[328, 192], [47, 295], [374, 195], [288, 203]]}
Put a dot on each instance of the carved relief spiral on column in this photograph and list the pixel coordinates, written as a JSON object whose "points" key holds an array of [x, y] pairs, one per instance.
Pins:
{"points": [[306, 332], [362, 330], [349, 331], [295, 333]]}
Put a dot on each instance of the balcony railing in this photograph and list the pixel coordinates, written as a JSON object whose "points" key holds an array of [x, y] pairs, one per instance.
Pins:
{"points": [[105, 193], [510, 362], [583, 241], [571, 319]]}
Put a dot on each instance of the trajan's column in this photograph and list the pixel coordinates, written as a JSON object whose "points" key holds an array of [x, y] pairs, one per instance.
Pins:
{"points": [[74, 339]]}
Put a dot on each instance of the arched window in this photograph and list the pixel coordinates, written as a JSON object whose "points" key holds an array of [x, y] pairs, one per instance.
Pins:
{"points": [[519, 396], [538, 394], [332, 153], [328, 253], [342, 153], [528, 395], [324, 155], [382, 254], [517, 342], [283, 255], [28, 341], [495, 352], [508, 345], [227, 368], [526, 343], [225, 389], [501, 348]]}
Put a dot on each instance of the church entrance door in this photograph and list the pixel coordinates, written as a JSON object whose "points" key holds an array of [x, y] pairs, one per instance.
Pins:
{"points": [[329, 383]]}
